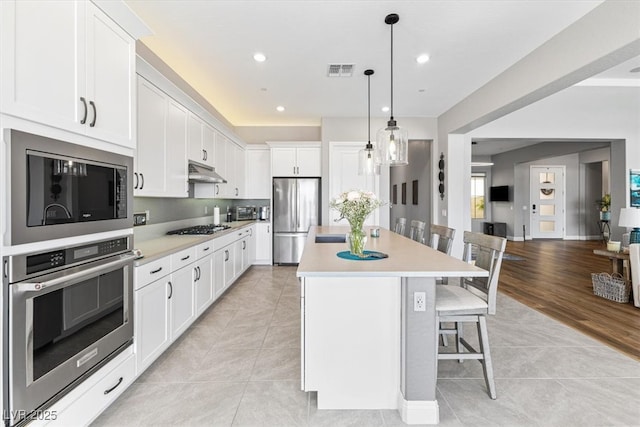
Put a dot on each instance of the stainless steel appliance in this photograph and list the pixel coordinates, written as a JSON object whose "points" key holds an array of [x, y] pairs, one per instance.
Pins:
{"points": [[263, 213], [59, 189], [244, 213], [296, 207], [200, 229], [70, 310]]}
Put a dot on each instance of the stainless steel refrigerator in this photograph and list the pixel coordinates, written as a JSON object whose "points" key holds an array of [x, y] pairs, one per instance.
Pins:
{"points": [[296, 207]]}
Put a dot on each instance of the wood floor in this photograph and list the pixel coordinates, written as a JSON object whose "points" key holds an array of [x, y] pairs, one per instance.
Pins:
{"points": [[555, 279]]}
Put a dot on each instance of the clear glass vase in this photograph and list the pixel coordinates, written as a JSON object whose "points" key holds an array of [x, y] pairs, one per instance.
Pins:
{"points": [[356, 240]]}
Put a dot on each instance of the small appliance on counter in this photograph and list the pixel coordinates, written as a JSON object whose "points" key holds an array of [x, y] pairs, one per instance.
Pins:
{"points": [[245, 213], [263, 213]]}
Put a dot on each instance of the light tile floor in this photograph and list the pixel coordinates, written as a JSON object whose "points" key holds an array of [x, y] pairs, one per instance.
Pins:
{"points": [[239, 365]]}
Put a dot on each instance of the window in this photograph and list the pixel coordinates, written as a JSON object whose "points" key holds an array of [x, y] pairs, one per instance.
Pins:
{"points": [[478, 184]]}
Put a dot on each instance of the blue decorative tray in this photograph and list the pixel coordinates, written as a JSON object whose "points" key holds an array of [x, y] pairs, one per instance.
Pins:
{"points": [[370, 256]]}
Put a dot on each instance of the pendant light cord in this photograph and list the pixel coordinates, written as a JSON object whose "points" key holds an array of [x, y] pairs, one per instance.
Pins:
{"points": [[391, 71], [368, 110]]}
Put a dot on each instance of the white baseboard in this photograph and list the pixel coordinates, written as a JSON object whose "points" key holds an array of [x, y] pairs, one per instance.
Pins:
{"points": [[418, 411]]}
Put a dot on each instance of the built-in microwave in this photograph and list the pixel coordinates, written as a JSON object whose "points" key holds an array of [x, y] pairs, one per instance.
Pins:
{"points": [[59, 189]]}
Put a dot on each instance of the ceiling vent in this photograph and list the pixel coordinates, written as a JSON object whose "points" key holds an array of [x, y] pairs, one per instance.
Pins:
{"points": [[340, 70]]}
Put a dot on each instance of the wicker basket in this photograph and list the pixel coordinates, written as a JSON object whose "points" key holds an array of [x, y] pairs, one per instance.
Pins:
{"points": [[611, 287]]}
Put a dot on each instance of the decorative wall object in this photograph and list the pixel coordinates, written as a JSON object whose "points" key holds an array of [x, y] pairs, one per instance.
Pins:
{"points": [[634, 187], [404, 193], [441, 176], [414, 192]]}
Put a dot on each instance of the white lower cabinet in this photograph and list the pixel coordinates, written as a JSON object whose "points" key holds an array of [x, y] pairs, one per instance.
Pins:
{"points": [[203, 283], [151, 325], [87, 401], [229, 265], [183, 312], [263, 243]]}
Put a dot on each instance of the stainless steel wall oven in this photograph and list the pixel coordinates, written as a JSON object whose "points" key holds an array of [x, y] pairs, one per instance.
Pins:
{"points": [[59, 189], [70, 310]]}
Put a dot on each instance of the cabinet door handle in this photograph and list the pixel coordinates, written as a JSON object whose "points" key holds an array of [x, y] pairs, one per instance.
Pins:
{"points": [[206, 249], [204, 154], [114, 387], [237, 192], [217, 189], [226, 255], [268, 231], [170, 290], [141, 181], [135, 175], [95, 114], [185, 258], [84, 118], [244, 245], [156, 271]]}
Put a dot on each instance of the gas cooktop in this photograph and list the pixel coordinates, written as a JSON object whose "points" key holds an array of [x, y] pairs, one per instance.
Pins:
{"points": [[201, 229]]}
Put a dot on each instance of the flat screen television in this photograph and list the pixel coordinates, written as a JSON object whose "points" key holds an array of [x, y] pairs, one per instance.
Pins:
{"points": [[499, 193]]}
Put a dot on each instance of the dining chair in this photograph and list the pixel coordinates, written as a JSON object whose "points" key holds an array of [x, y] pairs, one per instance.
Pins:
{"points": [[416, 232], [472, 301], [401, 225]]}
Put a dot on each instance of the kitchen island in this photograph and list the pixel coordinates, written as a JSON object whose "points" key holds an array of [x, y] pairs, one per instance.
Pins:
{"points": [[369, 331]]}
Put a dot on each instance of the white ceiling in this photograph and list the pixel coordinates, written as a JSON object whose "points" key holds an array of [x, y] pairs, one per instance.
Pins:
{"points": [[211, 45]]}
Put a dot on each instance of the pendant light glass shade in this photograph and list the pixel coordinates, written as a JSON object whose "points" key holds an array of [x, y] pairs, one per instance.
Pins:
{"points": [[392, 142], [368, 159], [394, 145]]}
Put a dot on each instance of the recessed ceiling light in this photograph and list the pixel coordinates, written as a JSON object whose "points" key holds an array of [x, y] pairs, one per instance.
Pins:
{"points": [[280, 108], [259, 57], [421, 90], [385, 109], [421, 59]]}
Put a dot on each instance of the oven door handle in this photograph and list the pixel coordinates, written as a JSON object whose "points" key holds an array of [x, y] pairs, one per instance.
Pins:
{"points": [[64, 279]]}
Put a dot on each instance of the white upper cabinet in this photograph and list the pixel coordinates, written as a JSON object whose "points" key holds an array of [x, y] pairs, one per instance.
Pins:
{"points": [[160, 159], [68, 65], [295, 161], [150, 157], [257, 172], [201, 141], [238, 178], [176, 184]]}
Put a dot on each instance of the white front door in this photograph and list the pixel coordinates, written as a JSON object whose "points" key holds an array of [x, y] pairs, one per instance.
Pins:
{"points": [[547, 198]]}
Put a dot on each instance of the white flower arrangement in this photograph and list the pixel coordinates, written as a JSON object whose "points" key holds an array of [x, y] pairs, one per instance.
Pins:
{"points": [[355, 206]]}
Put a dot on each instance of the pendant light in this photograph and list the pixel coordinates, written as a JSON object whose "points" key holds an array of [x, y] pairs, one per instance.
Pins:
{"points": [[392, 141], [368, 160]]}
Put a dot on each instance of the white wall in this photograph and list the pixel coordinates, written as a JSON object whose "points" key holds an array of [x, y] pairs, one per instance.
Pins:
{"points": [[338, 129]]}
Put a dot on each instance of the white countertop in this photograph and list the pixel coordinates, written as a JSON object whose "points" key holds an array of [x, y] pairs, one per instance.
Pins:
{"points": [[164, 245], [407, 258]]}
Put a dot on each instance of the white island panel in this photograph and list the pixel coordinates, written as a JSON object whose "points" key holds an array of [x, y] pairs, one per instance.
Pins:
{"points": [[352, 330]]}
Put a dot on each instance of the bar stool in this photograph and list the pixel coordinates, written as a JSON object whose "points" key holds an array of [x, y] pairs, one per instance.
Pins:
{"points": [[441, 238], [473, 301], [416, 232], [401, 225]]}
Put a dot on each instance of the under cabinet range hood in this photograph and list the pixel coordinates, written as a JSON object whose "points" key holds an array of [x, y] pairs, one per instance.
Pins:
{"points": [[201, 173]]}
